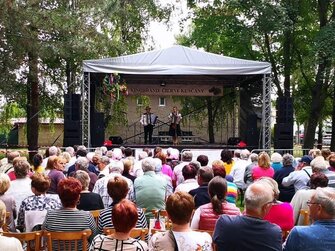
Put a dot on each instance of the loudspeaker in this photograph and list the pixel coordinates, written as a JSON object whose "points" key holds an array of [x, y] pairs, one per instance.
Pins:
{"points": [[71, 107], [283, 136], [97, 129], [252, 136], [284, 108], [116, 140], [72, 133]]}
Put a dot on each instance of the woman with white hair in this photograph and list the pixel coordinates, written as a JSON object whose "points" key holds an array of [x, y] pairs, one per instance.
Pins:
{"points": [[286, 192], [276, 161], [88, 200], [8, 200], [319, 164]]}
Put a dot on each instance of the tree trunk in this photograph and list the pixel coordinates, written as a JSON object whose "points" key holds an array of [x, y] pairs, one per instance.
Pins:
{"points": [[32, 104], [210, 117], [332, 143]]}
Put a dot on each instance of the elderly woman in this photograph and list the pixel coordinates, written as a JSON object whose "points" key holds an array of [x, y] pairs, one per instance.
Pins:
{"points": [[286, 192], [40, 183], [54, 170], [8, 200], [7, 243], [276, 161], [264, 168], [88, 200], [69, 218], [37, 161], [206, 215], [179, 207], [281, 213], [118, 189], [124, 217], [21, 187]]}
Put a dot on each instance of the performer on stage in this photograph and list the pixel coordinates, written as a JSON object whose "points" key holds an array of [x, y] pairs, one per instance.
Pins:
{"points": [[175, 131], [148, 120]]}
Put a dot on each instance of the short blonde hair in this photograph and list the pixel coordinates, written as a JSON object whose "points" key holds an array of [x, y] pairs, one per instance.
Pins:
{"points": [[4, 183]]}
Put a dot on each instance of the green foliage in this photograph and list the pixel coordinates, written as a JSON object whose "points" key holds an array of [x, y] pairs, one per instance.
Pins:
{"points": [[9, 111]]}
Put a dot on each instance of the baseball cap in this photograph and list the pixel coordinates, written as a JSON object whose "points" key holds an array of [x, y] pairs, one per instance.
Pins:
{"points": [[306, 158]]}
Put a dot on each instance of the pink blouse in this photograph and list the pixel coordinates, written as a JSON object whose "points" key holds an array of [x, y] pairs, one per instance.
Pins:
{"points": [[282, 215], [167, 170], [258, 172]]}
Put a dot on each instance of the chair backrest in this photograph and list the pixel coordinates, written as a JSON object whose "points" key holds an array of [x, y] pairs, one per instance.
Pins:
{"points": [[33, 239], [162, 213], [5, 226], [305, 214], [67, 241], [134, 233], [95, 214], [33, 218]]}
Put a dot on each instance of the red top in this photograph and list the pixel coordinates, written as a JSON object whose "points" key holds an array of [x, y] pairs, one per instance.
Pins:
{"points": [[282, 215]]}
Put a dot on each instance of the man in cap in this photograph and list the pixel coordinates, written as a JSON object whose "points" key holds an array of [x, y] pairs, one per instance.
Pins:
{"points": [[148, 120], [301, 176]]}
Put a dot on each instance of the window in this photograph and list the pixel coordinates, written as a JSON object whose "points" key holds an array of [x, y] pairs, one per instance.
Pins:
{"points": [[139, 101], [161, 101]]}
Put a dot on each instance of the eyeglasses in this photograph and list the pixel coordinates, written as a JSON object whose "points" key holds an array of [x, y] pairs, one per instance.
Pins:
{"points": [[274, 201], [309, 203]]}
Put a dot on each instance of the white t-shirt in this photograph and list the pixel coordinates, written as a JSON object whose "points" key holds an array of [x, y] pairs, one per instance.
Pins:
{"points": [[10, 244]]}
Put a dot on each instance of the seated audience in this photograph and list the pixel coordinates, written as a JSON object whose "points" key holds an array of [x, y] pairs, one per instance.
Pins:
{"points": [[281, 213], [186, 158], [300, 177], [264, 168], [88, 200], [232, 189], [299, 200], [166, 169], [180, 206], [286, 192], [227, 158], [124, 216], [200, 194], [319, 165], [103, 166], [40, 183], [321, 234], [166, 178], [117, 188], [203, 160], [21, 187], [189, 173], [69, 218], [127, 166], [150, 189], [276, 161], [8, 200], [250, 232], [54, 170], [8, 167], [331, 160], [238, 169], [206, 215], [248, 170], [7, 243], [37, 161], [82, 163]]}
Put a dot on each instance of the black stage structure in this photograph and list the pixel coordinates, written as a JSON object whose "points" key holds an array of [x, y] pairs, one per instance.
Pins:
{"points": [[179, 65]]}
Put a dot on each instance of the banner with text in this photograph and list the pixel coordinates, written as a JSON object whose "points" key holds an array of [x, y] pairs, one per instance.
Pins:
{"points": [[175, 90]]}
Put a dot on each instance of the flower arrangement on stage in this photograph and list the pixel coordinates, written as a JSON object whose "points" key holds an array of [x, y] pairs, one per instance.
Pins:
{"points": [[114, 86]]}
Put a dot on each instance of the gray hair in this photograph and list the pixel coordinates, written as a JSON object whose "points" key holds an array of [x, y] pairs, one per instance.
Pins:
{"points": [[245, 154], [82, 147], [103, 150], [105, 160], [83, 177], [148, 164], [186, 156], [318, 164], [142, 155], [116, 166], [258, 194], [53, 150], [158, 166], [82, 163], [237, 153], [288, 159], [326, 197], [276, 157], [70, 150], [253, 157], [272, 183]]}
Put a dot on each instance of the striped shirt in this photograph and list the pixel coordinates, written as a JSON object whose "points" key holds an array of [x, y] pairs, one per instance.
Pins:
{"points": [[107, 243], [67, 220], [105, 219]]}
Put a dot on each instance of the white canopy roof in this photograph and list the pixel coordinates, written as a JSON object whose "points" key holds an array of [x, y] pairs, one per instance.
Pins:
{"points": [[177, 60]]}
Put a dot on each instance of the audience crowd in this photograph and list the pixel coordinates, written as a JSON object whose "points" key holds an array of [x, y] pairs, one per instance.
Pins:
{"points": [[289, 203]]}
